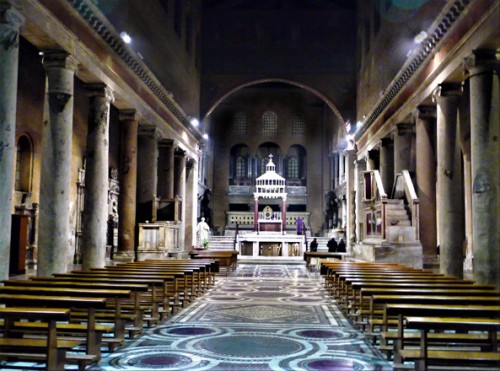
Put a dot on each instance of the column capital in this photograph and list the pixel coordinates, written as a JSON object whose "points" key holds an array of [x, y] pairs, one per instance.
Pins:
{"points": [[179, 152], [404, 128], [386, 142], [128, 115], [149, 131], [167, 143], [190, 162], [100, 91], [480, 61], [11, 21], [425, 112], [59, 59], [447, 90]]}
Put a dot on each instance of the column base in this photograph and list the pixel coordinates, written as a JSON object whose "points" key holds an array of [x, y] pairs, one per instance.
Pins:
{"points": [[124, 256]]}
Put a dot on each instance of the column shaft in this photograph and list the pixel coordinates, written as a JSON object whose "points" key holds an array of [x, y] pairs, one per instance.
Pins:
{"points": [[191, 202], [450, 217], [128, 185], [180, 165], [387, 164], [55, 179], [426, 178], [10, 24], [402, 147], [147, 173], [95, 213], [485, 162]]}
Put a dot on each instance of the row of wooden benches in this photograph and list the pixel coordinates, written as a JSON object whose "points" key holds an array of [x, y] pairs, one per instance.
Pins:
{"points": [[419, 317], [46, 319]]}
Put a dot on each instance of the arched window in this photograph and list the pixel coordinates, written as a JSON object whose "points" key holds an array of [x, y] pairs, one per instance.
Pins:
{"points": [[241, 168], [293, 168], [269, 123], [240, 123], [24, 162], [298, 125]]}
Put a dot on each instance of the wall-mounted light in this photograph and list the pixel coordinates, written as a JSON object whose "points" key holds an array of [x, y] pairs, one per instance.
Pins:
{"points": [[194, 121], [205, 136], [125, 37], [421, 36]]}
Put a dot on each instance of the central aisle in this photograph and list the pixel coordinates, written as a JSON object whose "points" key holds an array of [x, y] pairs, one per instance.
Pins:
{"points": [[264, 317]]}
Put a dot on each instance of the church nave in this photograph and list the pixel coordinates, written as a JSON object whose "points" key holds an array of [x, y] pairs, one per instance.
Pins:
{"points": [[263, 317]]}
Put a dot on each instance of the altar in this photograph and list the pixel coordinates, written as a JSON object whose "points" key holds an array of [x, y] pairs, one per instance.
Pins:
{"points": [[270, 244], [269, 237]]}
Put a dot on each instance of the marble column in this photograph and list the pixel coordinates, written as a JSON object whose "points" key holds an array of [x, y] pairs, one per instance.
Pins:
{"points": [[166, 168], [55, 178], [372, 159], [333, 159], [402, 147], [387, 164], [342, 177], [10, 23], [256, 214], [147, 172], [425, 117], [95, 211], [191, 201], [485, 162], [358, 189], [450, 210], [350, 157], [128, 186], [180, 170]]}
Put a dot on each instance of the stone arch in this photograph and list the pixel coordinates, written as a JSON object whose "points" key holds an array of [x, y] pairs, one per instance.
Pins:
{"points": [[313, 91]]}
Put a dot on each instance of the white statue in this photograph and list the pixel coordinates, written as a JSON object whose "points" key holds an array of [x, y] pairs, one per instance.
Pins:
{"points": [[203, 230]]}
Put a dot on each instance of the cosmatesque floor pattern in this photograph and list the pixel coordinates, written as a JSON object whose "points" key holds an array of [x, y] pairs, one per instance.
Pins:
{"points": [[263, 317]]}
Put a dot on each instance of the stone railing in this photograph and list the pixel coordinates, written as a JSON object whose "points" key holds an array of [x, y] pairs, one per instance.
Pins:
{"points": [[244, 219]]}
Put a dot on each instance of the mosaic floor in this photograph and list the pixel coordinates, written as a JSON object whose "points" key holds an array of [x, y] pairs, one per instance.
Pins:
{"points": [[264, 317]]}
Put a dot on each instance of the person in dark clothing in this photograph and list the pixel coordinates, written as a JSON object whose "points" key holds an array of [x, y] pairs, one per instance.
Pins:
{"points": [[332, 245], [341, 246], [314, 245]]}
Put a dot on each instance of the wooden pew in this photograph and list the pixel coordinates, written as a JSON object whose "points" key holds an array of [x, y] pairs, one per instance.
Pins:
{"points": [[424, 357], [152, 297], [228, 259], [90, 304], [376, 319], [433, 310], [51, 351], [115, 296]]}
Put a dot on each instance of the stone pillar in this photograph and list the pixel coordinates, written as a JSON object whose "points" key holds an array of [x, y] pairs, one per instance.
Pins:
{"points": [[10, 23], [450, 211], [485, 162], [350, 156], [55, 178], [372, 159], [402, 147], [425, 117], [128, 184], [180, 170], [166, 168], [283, 213], [147, 173], [256, 214], [95, 211], [335, 177], [191, 201], [387, 164], [342, 177], [358, 188]]}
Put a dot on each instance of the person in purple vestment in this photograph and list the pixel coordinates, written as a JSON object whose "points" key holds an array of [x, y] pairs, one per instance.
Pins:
{"points": [[299, 226]]}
